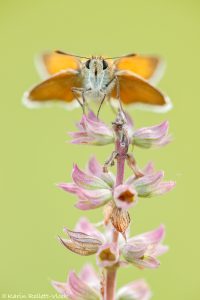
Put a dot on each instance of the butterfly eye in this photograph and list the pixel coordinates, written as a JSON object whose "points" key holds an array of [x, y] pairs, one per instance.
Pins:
{"points": [[105, 64], [87, 64]]}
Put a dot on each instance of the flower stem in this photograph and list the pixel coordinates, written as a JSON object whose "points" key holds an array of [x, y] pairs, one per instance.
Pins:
{"points": [[110, 283], [121, 147], [120, 170]]}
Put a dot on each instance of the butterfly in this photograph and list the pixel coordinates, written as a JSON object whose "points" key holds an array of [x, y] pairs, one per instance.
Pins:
{"points": [[73, 80]]}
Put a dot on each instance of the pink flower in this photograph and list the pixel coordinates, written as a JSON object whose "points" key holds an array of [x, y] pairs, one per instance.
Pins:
{"points": [[82, 287], [142, 250], [86, 286], [94, 188], [125, 196], [137, 290], [92, 131], [108, 255], [152, 185], [95, 132], [154, 136]]}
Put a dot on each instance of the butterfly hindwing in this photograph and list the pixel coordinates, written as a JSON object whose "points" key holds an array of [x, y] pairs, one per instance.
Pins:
{"points": [[136, 90]]}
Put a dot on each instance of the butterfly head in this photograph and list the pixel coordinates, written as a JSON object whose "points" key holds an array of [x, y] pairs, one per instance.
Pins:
{"points": [[96, 66]]}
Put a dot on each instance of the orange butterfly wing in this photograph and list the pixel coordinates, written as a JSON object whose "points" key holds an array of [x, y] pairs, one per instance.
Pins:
{"points": [[148, 67], [52, 63], [56, 88], [135, 90]]}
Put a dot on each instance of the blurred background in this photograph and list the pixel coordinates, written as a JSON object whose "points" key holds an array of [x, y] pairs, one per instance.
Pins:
{"points": [[36, 153]]}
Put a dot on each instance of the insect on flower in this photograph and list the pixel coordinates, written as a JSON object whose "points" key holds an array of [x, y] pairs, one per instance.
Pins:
{"points": [[73, 80]]}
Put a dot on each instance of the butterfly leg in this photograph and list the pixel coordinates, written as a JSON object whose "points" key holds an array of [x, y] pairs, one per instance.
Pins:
{"points": [[77, 92], [109, 86], [118, 93], [85, 104], [102, 101], [114, 81]]}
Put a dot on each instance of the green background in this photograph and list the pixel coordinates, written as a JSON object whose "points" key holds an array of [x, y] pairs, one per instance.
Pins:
{"points": [[35, 155]]}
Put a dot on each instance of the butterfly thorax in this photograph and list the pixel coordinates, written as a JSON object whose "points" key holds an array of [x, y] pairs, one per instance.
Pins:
{"points": [[97, 75]]}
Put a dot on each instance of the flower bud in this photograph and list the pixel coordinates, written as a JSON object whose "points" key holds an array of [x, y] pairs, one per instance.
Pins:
{"points": [[120, 219], [81, 243]]}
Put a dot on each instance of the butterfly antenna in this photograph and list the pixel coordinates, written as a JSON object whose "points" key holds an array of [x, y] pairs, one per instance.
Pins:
{"points": [[117, 57], [64, 53]]}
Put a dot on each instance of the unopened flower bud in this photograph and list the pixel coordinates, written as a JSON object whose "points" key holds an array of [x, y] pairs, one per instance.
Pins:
{"points": [[81, 243], [120, 219]]}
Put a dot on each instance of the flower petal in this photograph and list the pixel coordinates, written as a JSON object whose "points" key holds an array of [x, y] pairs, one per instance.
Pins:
{"points": [[164, 187], [81, 290], [147, 170], [69, 187], [154, 136], [134, 251], [62, 288], [92, 116], [160, 249], [136, 290], [92, 131], [93, 199], [148, 262], [97, 127], [88, 228], [77, 287], [94, 168], [87, 199], [99, 195], [88, 274], [145, 186], [87, 181], [151, 237]]}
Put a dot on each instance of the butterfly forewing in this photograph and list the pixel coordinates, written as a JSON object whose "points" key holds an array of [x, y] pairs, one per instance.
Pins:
{"points": [[148, 67], [52, 63]]}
